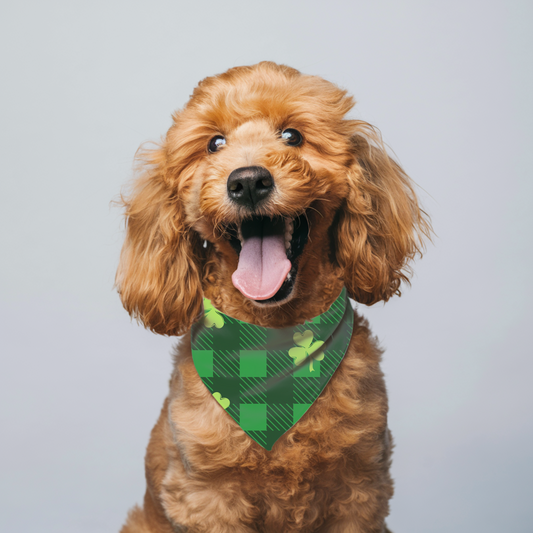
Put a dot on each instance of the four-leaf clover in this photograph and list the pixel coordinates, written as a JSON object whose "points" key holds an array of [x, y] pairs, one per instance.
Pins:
{"points": [[212, 316], [306, 348]]}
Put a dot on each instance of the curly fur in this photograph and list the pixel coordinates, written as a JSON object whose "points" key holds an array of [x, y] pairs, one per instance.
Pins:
{"points": [[330, 472]]}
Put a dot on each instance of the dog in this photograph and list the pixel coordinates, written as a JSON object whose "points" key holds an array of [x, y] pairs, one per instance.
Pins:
{"points": [[265, 143]]}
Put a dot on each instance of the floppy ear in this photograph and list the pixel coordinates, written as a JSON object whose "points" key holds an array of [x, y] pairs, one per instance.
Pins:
{"points": [[159, 274], [380, 226]]}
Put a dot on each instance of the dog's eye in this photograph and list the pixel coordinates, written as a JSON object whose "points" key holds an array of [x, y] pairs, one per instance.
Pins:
{"points": [[292, 137], [215, 143]]}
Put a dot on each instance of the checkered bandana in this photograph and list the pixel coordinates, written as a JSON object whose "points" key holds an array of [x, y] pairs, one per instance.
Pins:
{"points": [[265, 378]]}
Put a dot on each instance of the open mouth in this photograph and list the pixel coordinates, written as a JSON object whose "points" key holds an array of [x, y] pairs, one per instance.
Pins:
{"points": [[269, 249]]}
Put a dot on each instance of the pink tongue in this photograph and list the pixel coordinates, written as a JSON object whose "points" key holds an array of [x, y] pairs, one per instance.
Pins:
{"points": [[263, 267]]}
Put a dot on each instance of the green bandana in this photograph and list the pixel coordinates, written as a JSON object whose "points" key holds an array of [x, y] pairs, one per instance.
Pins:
{"points": [[265, 378]]}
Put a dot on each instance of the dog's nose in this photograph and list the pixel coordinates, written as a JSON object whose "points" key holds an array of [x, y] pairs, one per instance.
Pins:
{"points": [[247, 186]]}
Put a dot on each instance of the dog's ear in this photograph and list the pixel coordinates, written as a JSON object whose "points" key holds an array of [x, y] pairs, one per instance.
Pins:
{"points": [[159, 274], [380, 226]]}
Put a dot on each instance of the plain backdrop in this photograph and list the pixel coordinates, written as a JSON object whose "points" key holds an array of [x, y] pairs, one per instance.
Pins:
{"points": [[449, 84]]}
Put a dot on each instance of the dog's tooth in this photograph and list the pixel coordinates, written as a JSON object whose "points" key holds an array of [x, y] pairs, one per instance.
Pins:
{"points": [[288, 239], [239, 235], [289, 226], [288, 278]]}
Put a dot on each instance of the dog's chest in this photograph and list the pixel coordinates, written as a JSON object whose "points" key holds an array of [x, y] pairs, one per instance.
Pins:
{"points": [[295, 496]]}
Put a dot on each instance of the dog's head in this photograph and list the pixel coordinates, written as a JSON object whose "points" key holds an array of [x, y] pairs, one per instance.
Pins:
{"points": [[267, 199]]}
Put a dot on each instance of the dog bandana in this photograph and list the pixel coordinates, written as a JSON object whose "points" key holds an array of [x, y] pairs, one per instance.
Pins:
{"points": [[266, 378]]}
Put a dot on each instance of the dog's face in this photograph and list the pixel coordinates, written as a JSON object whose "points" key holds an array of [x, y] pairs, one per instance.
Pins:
{"points": [[265, 198]]}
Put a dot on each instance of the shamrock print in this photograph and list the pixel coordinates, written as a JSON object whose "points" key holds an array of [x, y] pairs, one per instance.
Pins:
{"points": [[306, 347], [212, 316], [224, 402]]}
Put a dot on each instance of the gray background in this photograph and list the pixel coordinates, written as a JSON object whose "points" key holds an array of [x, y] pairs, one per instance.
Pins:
{"points": [[85, 83]]}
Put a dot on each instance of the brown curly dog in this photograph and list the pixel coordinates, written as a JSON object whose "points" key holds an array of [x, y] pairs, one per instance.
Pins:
{"points": [[268, 143]]}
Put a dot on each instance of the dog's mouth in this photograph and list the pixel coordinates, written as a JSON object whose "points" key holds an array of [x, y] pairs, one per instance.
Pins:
{"points": [[269, 249]]}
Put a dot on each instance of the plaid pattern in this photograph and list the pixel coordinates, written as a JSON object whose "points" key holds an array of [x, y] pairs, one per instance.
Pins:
{"points": [[265, 378]]}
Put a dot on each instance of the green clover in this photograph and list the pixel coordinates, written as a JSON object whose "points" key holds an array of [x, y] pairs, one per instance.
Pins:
{"points": [[306, 347], [224, 402], [212, 316]]}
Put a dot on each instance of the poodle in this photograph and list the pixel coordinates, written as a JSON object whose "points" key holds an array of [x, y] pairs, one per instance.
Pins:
{"points": [[264, 205]]}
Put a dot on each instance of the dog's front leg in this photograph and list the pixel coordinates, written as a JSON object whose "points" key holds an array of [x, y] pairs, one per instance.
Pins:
{"points": [[219, 528], [202, 506], [209, 520], [350, 526]]}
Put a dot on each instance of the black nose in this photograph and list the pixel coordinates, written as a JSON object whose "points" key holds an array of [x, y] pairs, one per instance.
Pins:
{"points": [[247, 186]]}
